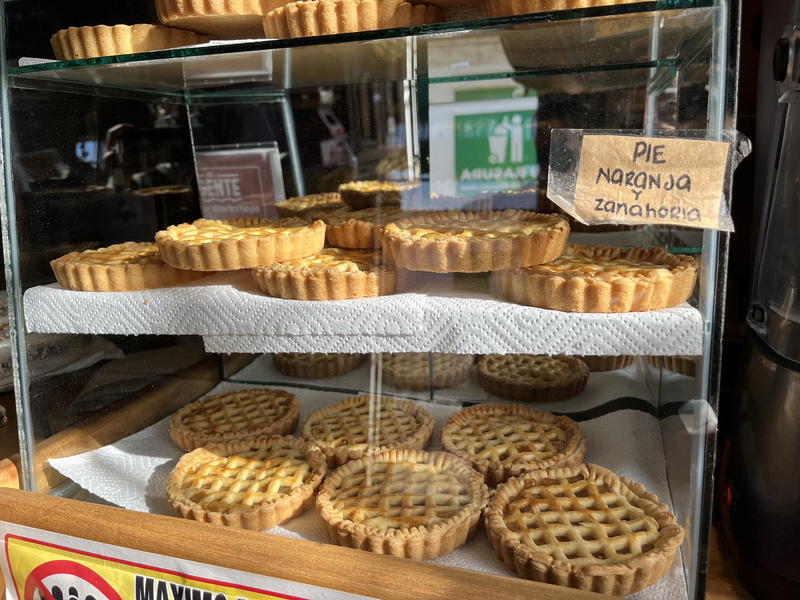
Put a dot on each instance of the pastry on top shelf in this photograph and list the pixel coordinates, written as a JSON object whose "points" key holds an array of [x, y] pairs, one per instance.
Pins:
{"points": [[328, 17], [315, 365], [405, 503], [222, 19], [209, 245], [583, 527], [359, 228], [333, 274], [414, 371], [365, 194], [303, 206], [365, 424], [602, 279], [505, 440], [532, 377], [473, 242], [76, 43], [118, 268], [234, 417], [504, 8], [255, 484]]}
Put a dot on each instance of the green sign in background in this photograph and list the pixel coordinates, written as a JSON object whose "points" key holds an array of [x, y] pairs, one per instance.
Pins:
{"points": [[495, 151]]}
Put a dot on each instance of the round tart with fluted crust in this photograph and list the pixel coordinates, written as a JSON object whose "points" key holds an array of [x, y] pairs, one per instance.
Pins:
{"points": [[473, 242], [502, 440], [118, 268], [413, 370], [602, 279], [504, 8], [359, 228], [303, 206], [532, 377], [365, 424], [329, 17], [607, 363], [210, 245], [359, 195], [333, 274], [405, 503], [76, 43], [223, 19], [583, 527], [313, 365], [234, 417], [255, 484]]}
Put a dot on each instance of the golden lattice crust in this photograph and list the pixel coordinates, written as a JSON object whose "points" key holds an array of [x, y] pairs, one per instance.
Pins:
{"points": [[333, 274], [110, 40], [583, 527], [532, 377], [365, 424], [503, 8], [313, 365], [502, 441], [256, 484], [473, 242], [348, 228], [222, 19], [209, 245], [234, 416], [118, 268], [303, 206], [406, 503], [328, 17], [411, 370], [602, 279]]}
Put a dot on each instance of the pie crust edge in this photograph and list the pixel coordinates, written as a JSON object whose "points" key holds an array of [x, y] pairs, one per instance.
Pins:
{"points": [[496, 472], [506, 387], [422, 542], [258, 518], [415, 382], [336, 365], [619, 579]]}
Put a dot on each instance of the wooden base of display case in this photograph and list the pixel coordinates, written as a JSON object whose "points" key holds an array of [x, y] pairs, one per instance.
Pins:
{"points": [[344, 569]]}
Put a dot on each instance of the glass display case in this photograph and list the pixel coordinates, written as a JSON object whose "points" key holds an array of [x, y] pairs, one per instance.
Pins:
{"points": [[447, 365]]}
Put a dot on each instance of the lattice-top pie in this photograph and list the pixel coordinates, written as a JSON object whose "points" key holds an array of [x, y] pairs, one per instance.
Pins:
{"points": [[118, 268], [405, 503], [234, 416], [532, 377], [333, 274], [209, 245], [502, 440], [423, 370], [583, 527], [254, 484], [472, 242], [312, 365], [602, 279], [365, 424], [306, 205]]}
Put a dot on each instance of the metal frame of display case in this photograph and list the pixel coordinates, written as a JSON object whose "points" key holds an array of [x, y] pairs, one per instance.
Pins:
{"points": [[414, 45]]}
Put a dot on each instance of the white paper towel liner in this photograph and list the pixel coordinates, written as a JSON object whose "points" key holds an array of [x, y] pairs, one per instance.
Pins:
{"points": [[443, 314], [132, 473]]}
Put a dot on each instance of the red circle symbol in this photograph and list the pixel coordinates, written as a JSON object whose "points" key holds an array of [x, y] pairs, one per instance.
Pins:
{"points": [[75, 571]]}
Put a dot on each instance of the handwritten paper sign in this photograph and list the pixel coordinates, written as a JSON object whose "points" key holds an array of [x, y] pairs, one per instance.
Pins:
{"points": [[662, 181]]}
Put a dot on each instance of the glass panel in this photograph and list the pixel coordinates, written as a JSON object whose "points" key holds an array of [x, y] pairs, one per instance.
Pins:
{"points": [[454, 117]]}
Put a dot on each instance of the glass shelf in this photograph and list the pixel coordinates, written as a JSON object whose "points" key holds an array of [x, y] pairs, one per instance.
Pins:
{"points": [[613, 40]]}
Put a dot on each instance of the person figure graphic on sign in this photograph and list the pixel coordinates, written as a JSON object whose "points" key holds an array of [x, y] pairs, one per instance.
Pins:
{"points": [[504, 133]]}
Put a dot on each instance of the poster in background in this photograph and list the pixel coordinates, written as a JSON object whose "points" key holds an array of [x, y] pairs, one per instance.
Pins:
{"points": [[238, 182]]}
